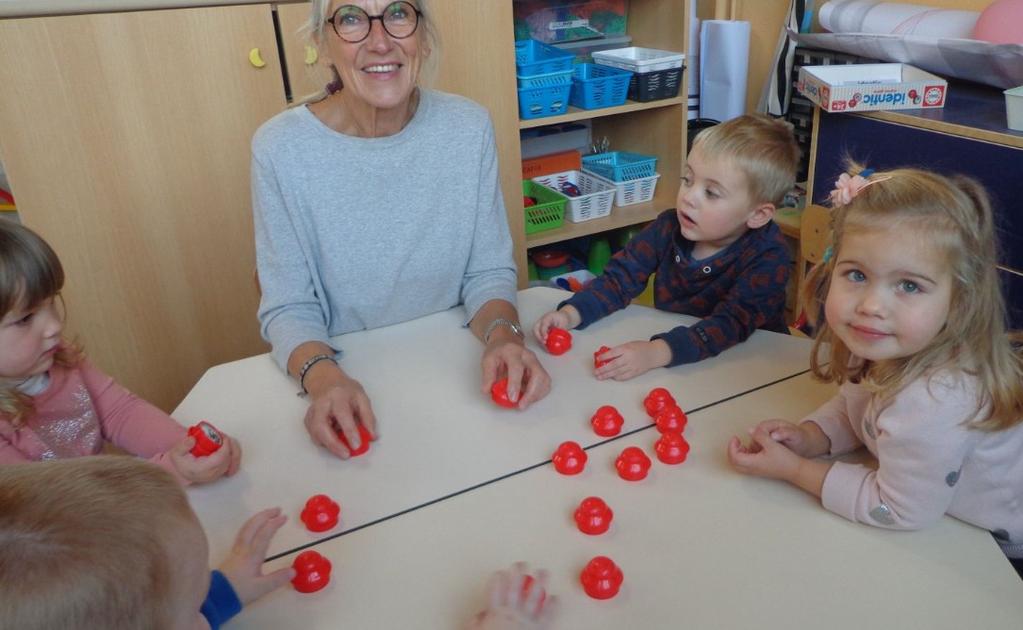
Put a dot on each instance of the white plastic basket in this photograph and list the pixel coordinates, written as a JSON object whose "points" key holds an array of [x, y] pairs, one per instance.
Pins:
{"points": [[633, 191], [640, 60], [594, 202]]}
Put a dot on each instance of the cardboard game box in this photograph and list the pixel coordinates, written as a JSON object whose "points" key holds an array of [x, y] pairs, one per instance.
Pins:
{"points": [[871, 87]]}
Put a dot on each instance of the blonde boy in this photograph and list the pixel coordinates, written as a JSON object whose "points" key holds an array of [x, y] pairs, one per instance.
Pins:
{"points": [[717, 256]]}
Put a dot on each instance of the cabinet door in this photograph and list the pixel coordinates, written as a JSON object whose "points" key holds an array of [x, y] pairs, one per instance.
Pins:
{"points": [[306, 75], [126, 140]]}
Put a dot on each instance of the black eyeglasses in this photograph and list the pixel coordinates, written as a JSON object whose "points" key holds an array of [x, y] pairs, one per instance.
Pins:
{"points": [[352, 23]]}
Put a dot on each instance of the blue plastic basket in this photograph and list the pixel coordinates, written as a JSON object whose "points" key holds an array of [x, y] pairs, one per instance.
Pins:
{"points": [[620, 166], [533, 58], [554, 79], [543, 101], [596, 86]]}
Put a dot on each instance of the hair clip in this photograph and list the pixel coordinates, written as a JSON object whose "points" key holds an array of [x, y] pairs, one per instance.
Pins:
{"points": [[846, 188]]}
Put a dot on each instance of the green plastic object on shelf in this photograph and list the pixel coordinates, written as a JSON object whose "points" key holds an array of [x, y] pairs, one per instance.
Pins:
{"points": [[531, 274], [600, 253]]}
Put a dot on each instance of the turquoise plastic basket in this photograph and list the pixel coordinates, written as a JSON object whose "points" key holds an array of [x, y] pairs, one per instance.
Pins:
{"points": [[596, 86], [620, 166], [533, 58]]}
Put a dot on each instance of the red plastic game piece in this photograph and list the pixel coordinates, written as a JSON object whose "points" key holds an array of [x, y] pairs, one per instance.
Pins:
{"points": [[607, 421], [364, 438], [499, 392], [320, 513], [312, 572], [597, 362], [527, 585], [593, 517], [207, 439], [657, 399], [632, 464], [671, 420], [559, 341], [601, 578], [528, 201], [569, 459], [671, 448]]}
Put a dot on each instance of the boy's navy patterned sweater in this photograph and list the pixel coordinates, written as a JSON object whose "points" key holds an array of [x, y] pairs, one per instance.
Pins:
{"points": [[735, 291]]}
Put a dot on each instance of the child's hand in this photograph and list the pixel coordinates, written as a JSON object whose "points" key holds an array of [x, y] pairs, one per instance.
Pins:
{"points": [[805, 440], [224, 461], [243, 566], [764, 457], [631, 359], [512, 606], [566, 317]]}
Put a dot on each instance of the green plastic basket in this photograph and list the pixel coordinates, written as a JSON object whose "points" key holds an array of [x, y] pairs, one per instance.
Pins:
{"points": [[549, 211]]}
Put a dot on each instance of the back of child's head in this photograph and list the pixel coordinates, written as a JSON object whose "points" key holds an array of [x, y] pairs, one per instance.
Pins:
{"points": [[953, 216], [84, 543], [30, 273], [763, 148]]}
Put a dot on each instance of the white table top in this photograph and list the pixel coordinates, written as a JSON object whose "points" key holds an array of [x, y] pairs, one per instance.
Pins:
{"points": [[438, 434], [700, 545]]}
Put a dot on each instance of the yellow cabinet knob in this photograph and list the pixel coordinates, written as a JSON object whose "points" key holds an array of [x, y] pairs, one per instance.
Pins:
{"points": [[310, 55], [256, 59]]}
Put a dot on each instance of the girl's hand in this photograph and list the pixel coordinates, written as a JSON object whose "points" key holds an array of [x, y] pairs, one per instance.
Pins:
{"points": [[528, 382], [243, 566], [224, 461], [631, 359], [566, 318], [341, 405], [764, 457], [514, 606], [805, 440]]}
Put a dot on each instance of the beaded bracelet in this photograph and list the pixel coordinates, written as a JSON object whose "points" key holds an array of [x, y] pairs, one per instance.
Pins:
{"points": [[308, 365]]}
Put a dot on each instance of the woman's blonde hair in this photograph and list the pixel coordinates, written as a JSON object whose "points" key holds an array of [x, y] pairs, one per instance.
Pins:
{"points": [[315, 30], [87, 543], [953, 215], [30, 273]]}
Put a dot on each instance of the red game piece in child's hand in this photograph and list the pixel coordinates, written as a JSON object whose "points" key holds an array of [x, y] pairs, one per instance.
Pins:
{"points": [[527, 585], [207, 439], [559, 341], [499, 392], [593, 517], [671, 420], [671, 448], [607, 421], [657, 399], [569, 459], [312, 572], [601, 578], [597, 362], [320, 513], [364, 439], [632, 464]]}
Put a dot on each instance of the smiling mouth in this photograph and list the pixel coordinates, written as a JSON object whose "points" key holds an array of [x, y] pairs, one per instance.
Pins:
{"points": [[382, 68]]}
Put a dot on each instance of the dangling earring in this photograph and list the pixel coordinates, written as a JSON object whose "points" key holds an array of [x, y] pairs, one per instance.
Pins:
{"points": [[334, 86]]}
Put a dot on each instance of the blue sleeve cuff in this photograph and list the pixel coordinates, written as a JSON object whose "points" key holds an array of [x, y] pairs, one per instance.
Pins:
{"points": [[221, 603], [683, 347], [587, 305]]}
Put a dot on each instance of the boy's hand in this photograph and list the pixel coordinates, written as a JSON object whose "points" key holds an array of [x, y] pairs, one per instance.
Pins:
{"points": [[764, 457], [805, 440], [243, 566], [224, 461], [631, 359], [513, 606], [566, 317]]}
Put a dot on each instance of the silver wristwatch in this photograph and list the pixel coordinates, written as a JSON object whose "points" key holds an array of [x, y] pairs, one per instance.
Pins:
{"points": [[515, 328]]}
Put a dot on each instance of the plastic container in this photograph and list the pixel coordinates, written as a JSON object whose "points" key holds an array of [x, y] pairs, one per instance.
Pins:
{"points": [[637, 59], [551, 163], [1014, 108], [595, 199], [653, 86], [633, 191], [621, 166], [583, 50], [549, 211], [595, 86], [544, 101], [533, 58]]}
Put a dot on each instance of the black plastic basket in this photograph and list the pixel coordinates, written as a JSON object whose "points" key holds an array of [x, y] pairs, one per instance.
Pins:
{"points": [[652, 86]]}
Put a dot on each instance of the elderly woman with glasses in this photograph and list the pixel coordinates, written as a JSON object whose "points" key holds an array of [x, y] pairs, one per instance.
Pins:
{"points": [[377, 202]]}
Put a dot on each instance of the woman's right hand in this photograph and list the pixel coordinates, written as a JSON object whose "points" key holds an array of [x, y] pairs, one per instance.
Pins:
{"points": [[565, 318], [337, 402]]}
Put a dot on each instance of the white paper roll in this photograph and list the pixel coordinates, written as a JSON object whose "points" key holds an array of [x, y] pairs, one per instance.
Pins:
{"points": [[896, 18], [724, 62]]}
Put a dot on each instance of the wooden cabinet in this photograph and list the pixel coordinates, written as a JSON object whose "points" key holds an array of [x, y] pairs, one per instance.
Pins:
{"points": [[125, 137]]}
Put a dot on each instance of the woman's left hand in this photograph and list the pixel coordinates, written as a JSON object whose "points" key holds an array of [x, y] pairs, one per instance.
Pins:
{"points": [[528, 382]]}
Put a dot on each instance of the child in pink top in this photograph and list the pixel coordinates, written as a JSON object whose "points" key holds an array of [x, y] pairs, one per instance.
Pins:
{"points": [[55, 404], [914, 332]]}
